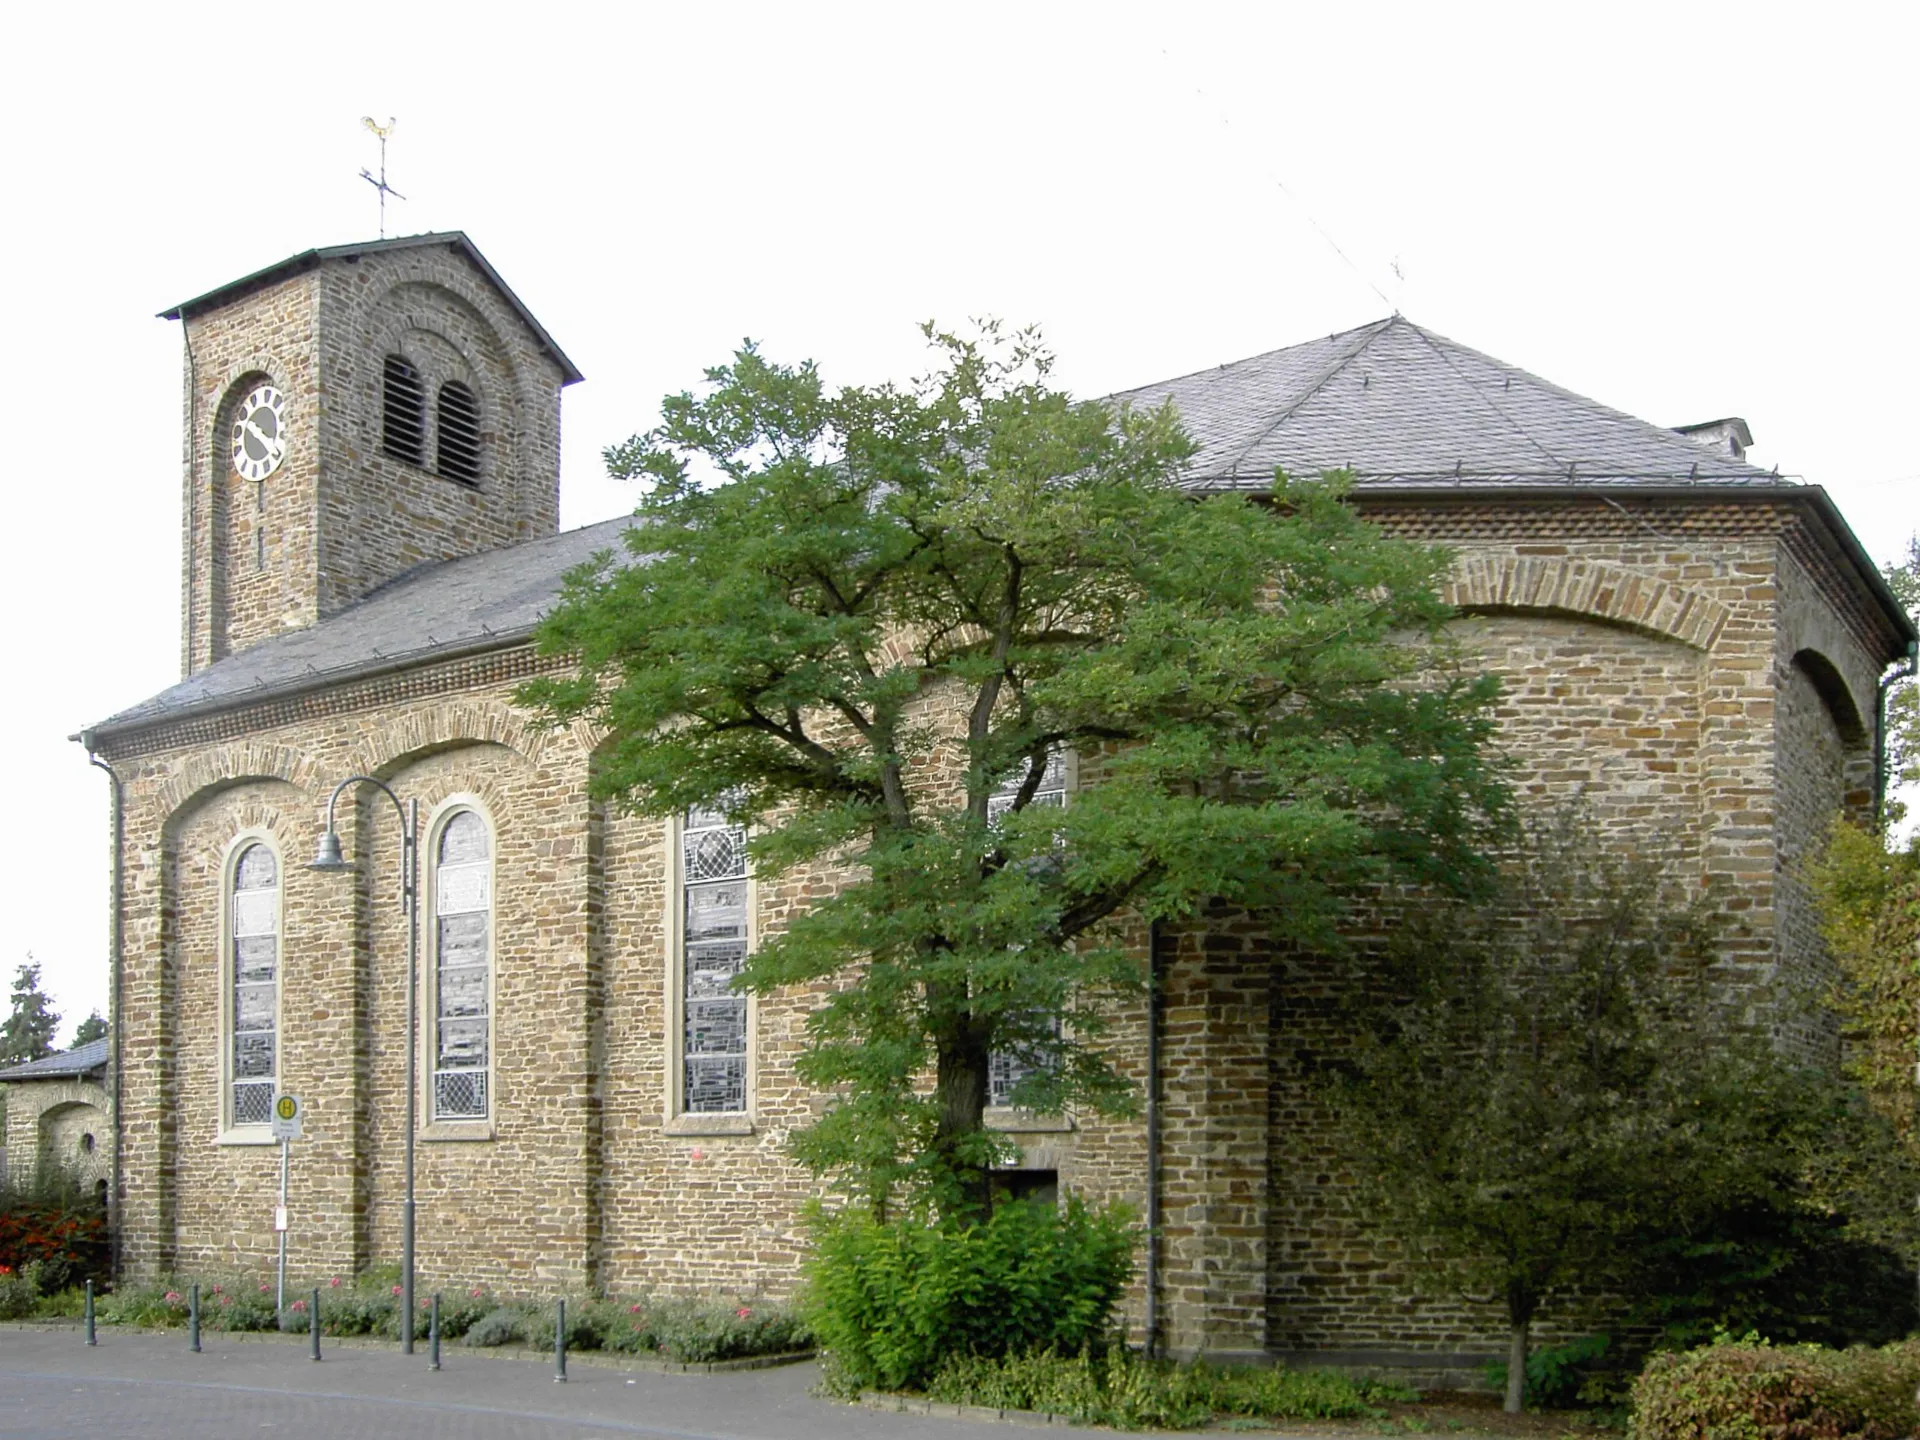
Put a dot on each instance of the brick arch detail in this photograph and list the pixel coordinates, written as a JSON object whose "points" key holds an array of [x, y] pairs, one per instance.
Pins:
{"points": [[447, 726], [1584, 587], [228, 765]]}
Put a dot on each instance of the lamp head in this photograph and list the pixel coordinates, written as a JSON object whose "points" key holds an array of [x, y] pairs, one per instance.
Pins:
{"points": [[328, 856]]}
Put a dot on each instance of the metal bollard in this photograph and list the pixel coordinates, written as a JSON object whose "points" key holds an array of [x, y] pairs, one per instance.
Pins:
{"points": [[313, 1321], [193, 1320], [92, 1339], [560, 1342], [433, 1334]]}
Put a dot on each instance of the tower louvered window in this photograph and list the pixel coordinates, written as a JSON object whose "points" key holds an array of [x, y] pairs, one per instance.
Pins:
{"points": [[463, 952], [403, 412], [254, 924], [713, 876], [459, 433]]}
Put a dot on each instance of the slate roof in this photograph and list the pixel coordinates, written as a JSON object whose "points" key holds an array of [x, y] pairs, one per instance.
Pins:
{"points": [[1403, 408], [1397, 404], [312, 259], [68, 1063], [478, 602]]}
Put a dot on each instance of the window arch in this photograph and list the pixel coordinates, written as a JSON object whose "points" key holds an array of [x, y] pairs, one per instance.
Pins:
{"points": [[462, 967], [458, 427], [253, 979], [403, 412]]}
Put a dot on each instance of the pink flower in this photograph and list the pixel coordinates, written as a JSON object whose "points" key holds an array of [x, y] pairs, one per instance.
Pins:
{"points": [[265, 1288], [743, 1312], [299, 1306], [216, 1290], [633, 1309], [226, 1299], [396, 1289], [476, 1292], [334, 1283], [173, 1297]]}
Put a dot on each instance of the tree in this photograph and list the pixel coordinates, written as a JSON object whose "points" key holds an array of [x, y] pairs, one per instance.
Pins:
{"points": [[29, 1030], [1546, 1095], [891, 606], [94, 1027], [1902, 759]]}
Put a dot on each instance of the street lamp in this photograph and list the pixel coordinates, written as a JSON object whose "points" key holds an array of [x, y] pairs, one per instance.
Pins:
{"points": [[328, 860]]}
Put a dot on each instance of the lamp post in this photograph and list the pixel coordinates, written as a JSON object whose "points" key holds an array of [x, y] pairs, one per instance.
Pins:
{"points": [[328, 859]]}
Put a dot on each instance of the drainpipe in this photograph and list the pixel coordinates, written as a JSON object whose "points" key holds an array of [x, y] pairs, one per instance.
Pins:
{"points": [[113, 1007], [1901, 671], [1153, 1138]]}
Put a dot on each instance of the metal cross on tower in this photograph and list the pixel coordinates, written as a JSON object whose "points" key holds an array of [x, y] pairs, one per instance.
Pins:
{"points": [[380, 184]]}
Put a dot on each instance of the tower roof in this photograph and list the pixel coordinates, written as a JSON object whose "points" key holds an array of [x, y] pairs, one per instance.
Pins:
{"points": [[306, 260]]}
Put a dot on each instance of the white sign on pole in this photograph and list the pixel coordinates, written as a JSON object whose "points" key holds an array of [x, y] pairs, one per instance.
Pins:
{"points": [[286, 1118], [280, 1218]]}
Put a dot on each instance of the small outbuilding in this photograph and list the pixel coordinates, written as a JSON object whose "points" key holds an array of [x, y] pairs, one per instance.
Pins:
{"points": [[58, 1117]]}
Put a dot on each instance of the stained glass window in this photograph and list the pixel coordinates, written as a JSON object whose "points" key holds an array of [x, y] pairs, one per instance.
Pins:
{"points": [[255, 925], [463, 949], [713, 949]]}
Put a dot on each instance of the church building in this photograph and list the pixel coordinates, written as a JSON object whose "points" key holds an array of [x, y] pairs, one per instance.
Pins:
{"points": [[369, 534]]}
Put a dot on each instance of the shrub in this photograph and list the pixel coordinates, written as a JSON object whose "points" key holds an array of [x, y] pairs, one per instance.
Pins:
{"points": [[19, 1289], [1557, 1375], [1755, 1391], [503, 1326], [1121, 1389], [58, 1224], [697, 1332], [889, 1301]]}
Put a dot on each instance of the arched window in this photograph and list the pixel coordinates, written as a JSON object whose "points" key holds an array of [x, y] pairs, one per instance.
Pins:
{"points": [[462, 957], [459, 432], [713, 949], [254, 924], [403, 412]]}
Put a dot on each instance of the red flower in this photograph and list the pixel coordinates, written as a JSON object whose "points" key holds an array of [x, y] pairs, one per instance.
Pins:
{"points": [[477, 1292], [396, 1289], [299, 1306], [633, 1309], [334, 1283], [743, 1312]]}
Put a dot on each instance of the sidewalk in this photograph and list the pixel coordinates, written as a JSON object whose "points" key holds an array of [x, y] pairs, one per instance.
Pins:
{"points": [[146, 1385]]}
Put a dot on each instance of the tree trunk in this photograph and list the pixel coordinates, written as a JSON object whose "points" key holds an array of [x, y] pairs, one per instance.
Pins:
{"points": [[960, 1093], [1517, 1365]]}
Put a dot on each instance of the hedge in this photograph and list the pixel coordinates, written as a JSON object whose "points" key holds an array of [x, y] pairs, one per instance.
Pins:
{"points": [[1755, 1391]]}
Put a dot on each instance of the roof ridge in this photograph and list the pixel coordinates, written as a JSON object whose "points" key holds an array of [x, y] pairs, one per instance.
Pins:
{"points": [[1374, 332]]}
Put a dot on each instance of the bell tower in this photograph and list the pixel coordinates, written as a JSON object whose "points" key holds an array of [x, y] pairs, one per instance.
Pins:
{"points": [[351, 413]]}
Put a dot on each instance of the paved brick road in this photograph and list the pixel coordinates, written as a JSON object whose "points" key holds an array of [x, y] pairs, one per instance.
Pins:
{"points": [[149, 1387]]}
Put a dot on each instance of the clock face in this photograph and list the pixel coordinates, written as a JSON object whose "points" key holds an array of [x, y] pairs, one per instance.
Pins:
{"points": [[259, 433]]}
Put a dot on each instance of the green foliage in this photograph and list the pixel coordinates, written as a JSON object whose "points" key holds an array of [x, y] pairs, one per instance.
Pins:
{"points": [[1556, 1374], [56, 1223], [504, 1326], [1868, 894], [94, 1027], [892, 602], [28, 1032], [889, 1301], [1549, 1095], [703, 1331], [1755, 1391], [1116, 1387], [1903, 698]]}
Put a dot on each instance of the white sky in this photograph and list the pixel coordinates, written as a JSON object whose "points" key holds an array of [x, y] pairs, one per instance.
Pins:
{"points": [[1685, 212]]}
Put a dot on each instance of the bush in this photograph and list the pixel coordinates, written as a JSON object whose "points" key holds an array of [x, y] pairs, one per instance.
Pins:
{"points": [[504, 1326], [889, 1301], [1557, 1375], [1121, 1389], [697, 1332], [57, 1224], [1755, 1391]]}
